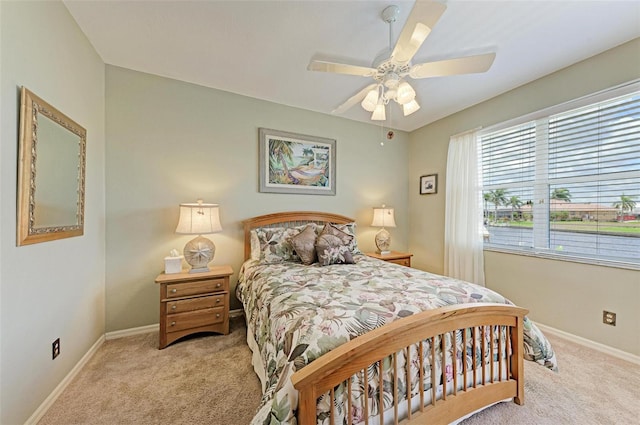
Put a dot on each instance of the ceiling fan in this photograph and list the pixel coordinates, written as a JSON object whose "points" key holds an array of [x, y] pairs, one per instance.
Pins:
{"points": [[391, 68]]}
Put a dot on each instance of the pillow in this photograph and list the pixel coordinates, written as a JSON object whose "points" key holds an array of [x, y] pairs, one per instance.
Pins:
{"points": [[331, 250], [332, 229], [255, 245], [350, 229], [275, 244], [304, 244]]}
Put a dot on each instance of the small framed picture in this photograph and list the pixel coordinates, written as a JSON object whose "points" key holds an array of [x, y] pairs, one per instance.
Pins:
{"points": [[428, 184]]}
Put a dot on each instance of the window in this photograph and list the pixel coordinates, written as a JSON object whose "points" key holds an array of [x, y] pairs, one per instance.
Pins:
{"points": [[567, 183]]}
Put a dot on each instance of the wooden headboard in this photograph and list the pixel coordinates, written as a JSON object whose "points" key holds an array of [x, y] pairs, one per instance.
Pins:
{"points": [[288, 219]]}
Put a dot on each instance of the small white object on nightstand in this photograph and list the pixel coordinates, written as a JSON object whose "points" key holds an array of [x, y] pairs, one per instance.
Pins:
{"points": [[173, 264]]}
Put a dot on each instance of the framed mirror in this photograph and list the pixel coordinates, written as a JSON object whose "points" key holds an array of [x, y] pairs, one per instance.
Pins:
{"points": [[51, 169]]}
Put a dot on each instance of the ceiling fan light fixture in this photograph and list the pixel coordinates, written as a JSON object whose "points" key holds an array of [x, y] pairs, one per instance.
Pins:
{"points": [[370, 101], [379, 114], [410, 108], [391, 94], [405, 94]]}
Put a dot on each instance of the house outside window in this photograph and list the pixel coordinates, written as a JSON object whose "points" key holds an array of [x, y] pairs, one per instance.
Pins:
{"points": [[565, 183]]}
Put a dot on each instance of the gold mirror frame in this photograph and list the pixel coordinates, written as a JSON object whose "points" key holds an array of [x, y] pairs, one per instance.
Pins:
{"points": [[32, 108]]}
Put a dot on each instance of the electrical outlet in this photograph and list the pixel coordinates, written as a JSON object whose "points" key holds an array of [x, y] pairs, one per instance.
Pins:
{"points": [[608, 318], [55, 348]]}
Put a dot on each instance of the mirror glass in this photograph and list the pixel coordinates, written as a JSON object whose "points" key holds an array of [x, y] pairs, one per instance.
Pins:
{"points": [[51, 186]]}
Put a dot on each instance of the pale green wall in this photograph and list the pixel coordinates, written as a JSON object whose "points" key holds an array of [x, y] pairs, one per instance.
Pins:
{"points": [[172, 142], [52, 289], [564, 295]]}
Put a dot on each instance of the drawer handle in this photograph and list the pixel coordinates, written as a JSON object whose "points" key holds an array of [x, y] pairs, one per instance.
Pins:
{"points": [[217, 315], [173, 323], [173, 307], [218, 285], [218, 300], [173, 291]]}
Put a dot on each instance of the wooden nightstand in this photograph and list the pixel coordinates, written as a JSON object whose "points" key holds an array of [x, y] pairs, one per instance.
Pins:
{"points": [[402, 258], [196, 302]]}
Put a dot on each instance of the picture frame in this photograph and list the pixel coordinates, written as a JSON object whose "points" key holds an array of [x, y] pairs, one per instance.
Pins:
{"points": [[428, 184], [296, 163]]}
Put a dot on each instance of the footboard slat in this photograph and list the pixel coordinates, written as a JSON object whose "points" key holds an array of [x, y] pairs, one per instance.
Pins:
{"points": [[454, 361], [464, 359], [500, 361], [421, 373], [483, 353], [381, 392], [443, 365], [446, 402], [475, 356], [491, 342], [395, 389], [366, 394], [332, 408], [433, 371], [349, 403], [409, 385]]}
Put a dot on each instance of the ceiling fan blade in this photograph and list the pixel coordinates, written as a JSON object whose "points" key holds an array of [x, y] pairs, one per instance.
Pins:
{"points": [[467, 65], [341, 68], [421, 20], [354, 99]]}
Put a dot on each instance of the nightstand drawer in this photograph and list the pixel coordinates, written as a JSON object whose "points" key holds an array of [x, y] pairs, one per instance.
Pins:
{"points": [[191, 304], [194, 319], [401, 261], [177, 290]]}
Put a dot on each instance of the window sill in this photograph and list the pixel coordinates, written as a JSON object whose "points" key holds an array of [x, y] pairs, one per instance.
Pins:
{"points": [[572, 259]]}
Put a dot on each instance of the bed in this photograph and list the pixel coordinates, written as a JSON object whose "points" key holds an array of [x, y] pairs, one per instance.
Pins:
{"points": [[363, 341]]}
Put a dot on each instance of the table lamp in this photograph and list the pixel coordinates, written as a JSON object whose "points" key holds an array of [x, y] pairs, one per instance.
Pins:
{"points": [[383, 217], [199, 219]]}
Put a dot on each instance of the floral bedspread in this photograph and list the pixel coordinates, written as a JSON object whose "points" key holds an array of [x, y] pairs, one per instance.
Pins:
{"points": [[296, 313]]}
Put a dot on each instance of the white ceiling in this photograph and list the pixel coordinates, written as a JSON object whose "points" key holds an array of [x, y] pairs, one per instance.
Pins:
{"points": [[261, 49]]}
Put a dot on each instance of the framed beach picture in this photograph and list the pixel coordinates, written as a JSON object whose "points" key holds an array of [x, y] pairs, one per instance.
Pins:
{"points": [[428, 184], [296, 163]]}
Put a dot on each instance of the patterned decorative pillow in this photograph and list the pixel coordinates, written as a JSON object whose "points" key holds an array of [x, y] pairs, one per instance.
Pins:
{"points": [[331, 250], [350, 229], [333, 229], [275, 244], [304, 244]]}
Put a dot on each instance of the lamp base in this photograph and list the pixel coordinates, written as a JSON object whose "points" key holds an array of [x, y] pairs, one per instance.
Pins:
{"points": [[199, 252], [383, 241], [199, 270]]}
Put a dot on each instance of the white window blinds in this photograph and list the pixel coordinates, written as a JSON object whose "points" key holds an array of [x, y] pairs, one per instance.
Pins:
{"points": [[567, 184]]}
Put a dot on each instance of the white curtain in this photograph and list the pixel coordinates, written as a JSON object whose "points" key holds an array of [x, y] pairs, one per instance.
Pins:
{"points": [[463, 258]]}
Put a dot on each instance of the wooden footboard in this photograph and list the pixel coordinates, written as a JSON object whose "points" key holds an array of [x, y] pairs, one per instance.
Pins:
{"points": [[496, 328]]}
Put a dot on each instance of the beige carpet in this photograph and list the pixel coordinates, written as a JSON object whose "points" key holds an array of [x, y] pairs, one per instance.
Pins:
{"points": [[209, 380]]}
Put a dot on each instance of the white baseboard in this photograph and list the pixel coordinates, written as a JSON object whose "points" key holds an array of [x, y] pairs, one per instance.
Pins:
{"points": [[132, 331], [238, 312], [48, 402], [591, 344]]}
